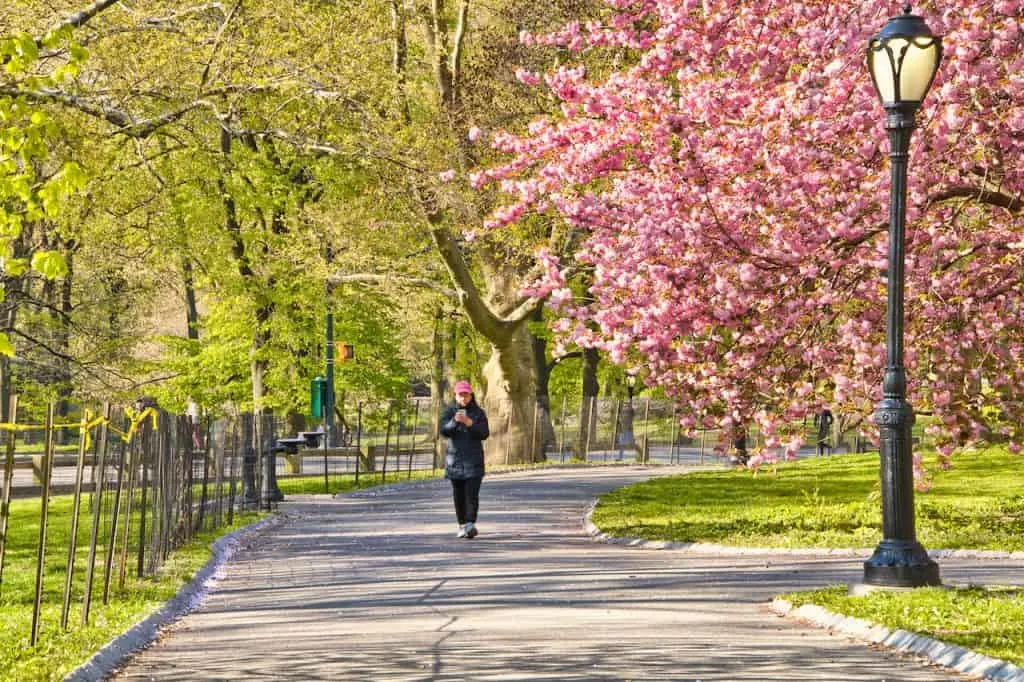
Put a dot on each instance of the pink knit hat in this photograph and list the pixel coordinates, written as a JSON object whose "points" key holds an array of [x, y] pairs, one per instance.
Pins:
{"points": [[463, 387]]}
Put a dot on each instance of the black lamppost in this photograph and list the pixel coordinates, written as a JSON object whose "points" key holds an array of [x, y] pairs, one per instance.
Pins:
{"points": [[903, 59]]}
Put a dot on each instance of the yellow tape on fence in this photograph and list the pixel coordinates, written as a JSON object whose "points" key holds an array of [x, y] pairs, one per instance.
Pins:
{"points": [[89, 422], [135, 420]]}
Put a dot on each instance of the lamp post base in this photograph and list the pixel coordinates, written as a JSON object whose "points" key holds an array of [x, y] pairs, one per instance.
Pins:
{"points": [[901, 563]]}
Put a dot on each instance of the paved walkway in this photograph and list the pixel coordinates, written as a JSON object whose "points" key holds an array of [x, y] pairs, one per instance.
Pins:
{"points": [[373, 586]]}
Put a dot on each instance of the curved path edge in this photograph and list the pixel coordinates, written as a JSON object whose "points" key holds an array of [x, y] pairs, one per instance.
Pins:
{"points": [[187, 598], [944, 654]]}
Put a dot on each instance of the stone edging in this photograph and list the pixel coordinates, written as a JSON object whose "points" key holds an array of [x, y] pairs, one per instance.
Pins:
{"points": [[948, 655], [188, 597]]}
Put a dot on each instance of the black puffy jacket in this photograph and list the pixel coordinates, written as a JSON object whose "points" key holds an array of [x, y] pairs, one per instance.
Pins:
{"points": [[464, 457]]}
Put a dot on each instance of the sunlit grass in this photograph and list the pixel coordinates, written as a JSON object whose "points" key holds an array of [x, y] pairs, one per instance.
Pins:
{"points": [[823, 502], [57, 651], [988, 621]]}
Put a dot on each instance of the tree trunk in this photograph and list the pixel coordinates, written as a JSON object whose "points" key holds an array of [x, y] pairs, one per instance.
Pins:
{"points": [[511, 400], [191, 309], [61, 343], [438, 386], [545, 429], [588, 416]]}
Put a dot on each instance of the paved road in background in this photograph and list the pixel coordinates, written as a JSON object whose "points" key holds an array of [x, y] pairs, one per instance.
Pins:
{"points": [[374, 586]]}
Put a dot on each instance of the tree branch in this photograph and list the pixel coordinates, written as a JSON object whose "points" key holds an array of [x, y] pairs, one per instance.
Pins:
{"points": [[74, 21], [554, 362], [216, 46], [457, 44], [979, 194], [122, 120]]}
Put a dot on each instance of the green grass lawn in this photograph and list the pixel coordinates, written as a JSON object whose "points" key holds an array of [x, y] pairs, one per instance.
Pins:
{"points": [[341, 483], [835, 502], [823, 502], [989, 621], [58, 651]]}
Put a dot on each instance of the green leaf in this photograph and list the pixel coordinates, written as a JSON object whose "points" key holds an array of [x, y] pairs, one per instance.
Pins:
{"points": [[27, 47], [74, 175], [6, 347], [15, 266], [50, 264], [78, 53]]}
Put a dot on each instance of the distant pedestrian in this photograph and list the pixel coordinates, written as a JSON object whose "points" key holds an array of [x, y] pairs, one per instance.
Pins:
{"points": [[464, 424], [739, 444], [823, 420]]}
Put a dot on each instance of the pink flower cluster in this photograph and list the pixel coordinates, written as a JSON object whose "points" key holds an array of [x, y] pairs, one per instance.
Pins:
{"points": [[732, 189]]}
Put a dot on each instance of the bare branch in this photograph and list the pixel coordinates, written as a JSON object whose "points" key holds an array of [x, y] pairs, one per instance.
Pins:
{"points": [[457, 44], [524, 310], [216, 46], [79, 18], [122, 120]]}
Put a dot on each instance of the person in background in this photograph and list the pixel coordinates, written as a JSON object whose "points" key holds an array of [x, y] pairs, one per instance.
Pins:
{"points": [[823, 420], [464, 424]]}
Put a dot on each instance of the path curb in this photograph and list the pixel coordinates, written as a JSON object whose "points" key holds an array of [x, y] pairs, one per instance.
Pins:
{"points": [[948, 655], [188, 597]]}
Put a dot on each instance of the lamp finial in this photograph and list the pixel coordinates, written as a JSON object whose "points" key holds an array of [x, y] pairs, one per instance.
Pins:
{"points": [[907, 9]]}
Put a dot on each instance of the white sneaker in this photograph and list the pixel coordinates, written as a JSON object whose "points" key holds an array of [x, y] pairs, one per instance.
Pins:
{"points": [[471, 531], [462, 531]]}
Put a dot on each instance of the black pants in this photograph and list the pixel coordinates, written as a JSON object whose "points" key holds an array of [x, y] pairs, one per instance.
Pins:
{"points": [[467, 499]]}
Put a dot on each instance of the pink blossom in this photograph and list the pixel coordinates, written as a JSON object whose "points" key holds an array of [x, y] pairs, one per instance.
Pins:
{"points": [[744, 266]]}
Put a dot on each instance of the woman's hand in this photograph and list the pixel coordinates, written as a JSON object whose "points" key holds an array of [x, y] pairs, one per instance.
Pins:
{"points": [[463, 419]]}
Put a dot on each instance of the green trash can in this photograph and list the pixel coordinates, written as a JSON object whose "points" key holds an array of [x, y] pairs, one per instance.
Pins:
{"points": [[317, 397]]}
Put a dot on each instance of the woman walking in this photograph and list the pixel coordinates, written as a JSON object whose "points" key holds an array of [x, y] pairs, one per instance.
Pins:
{"points": [[464, 424]]}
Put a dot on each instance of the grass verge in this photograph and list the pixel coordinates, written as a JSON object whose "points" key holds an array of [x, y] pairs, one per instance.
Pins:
{"points": [[987, 620], [60, 651], [823, 502]]}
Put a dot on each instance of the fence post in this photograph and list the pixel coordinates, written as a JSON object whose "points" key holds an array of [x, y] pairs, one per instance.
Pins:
{"points": [[647, 433], [43, 517], [359, 439], [415, 419], [533, 434], [561, 445], [108, 563], [672, 458], [387, 438], [591, 426], [508, 433], [233, 468], [101, 465], [5, 510], [132, 447]]}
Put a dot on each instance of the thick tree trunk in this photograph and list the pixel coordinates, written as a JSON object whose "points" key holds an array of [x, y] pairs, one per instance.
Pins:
{"points": [[511, 400]]}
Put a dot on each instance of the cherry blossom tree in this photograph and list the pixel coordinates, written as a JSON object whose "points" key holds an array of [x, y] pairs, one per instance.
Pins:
{"points": [[730, 183]]}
